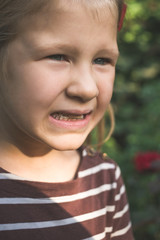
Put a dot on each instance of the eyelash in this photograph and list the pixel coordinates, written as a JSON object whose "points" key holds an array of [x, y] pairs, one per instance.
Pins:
{"points": [[58, 57], [102, 61], [62, 57]]}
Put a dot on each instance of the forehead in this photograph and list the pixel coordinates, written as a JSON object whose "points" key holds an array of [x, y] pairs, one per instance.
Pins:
{"points": [[58, 18], [97, 9]]}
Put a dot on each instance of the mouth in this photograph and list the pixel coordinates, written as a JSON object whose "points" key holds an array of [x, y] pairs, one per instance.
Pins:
{"points": [[72, 120], [68, 116]]}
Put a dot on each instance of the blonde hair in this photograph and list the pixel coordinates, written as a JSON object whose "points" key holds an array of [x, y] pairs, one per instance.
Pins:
{"points": [[101, 129]]}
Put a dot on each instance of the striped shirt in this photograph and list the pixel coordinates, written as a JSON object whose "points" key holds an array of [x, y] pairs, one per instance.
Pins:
{"points": [[93, 206]]}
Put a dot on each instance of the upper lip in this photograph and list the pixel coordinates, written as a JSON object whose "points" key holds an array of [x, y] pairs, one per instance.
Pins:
{"points": [[73, 112]]}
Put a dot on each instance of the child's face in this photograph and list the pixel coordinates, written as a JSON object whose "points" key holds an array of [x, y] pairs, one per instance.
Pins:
{"points": [[60, 77]]}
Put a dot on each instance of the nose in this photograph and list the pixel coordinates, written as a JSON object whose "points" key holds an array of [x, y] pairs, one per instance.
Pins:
{"points": [[83, 84]]}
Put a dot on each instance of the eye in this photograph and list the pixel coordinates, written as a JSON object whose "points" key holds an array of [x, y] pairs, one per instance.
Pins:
{"points": [[102, 61], [58, 57]]}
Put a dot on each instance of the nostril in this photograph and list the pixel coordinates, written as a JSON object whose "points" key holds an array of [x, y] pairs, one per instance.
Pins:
{"points": [[82, 90], [81, 96]]}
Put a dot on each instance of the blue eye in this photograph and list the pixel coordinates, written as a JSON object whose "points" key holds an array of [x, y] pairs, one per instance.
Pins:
{"points": [[58, 57], [102, 61]]}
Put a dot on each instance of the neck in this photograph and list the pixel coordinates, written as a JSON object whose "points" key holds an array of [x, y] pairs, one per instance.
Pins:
{"points": [[54, 166]]}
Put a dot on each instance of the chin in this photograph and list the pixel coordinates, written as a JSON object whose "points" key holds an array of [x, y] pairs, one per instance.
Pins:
{"points": [[67, 144]]}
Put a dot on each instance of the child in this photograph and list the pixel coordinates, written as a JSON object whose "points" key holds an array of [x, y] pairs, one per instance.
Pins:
{"points": [[57, 70]]}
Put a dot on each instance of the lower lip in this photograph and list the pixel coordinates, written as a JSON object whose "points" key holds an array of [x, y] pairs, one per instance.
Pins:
{"points": [[75, 124]]}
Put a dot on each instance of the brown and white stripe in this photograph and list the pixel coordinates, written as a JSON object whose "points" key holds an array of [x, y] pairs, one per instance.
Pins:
{"points": [[91, 207]]}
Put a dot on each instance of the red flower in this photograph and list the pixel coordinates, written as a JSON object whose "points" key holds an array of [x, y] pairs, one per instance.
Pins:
{"points": [[147, 161]]}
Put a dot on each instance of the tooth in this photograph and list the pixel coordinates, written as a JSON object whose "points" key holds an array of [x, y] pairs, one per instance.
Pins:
{"points": [[67, 117]]}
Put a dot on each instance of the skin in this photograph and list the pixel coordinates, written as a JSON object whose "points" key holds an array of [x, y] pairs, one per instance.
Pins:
{"points": [[61, 62]]}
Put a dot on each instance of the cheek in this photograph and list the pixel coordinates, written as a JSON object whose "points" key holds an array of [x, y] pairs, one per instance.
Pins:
{"points": [[105, 92], [35, 84]]}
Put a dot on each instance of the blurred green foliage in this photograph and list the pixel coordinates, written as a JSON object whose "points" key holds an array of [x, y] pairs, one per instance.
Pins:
{"points": [[136, 102]]}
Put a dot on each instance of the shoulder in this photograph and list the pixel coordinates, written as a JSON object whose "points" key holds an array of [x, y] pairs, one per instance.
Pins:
{"points": [[98, 164]]}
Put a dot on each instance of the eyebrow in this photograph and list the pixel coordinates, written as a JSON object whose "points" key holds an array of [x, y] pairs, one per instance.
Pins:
{"points": [[58, 47], [109, 51], [73, 50]]}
